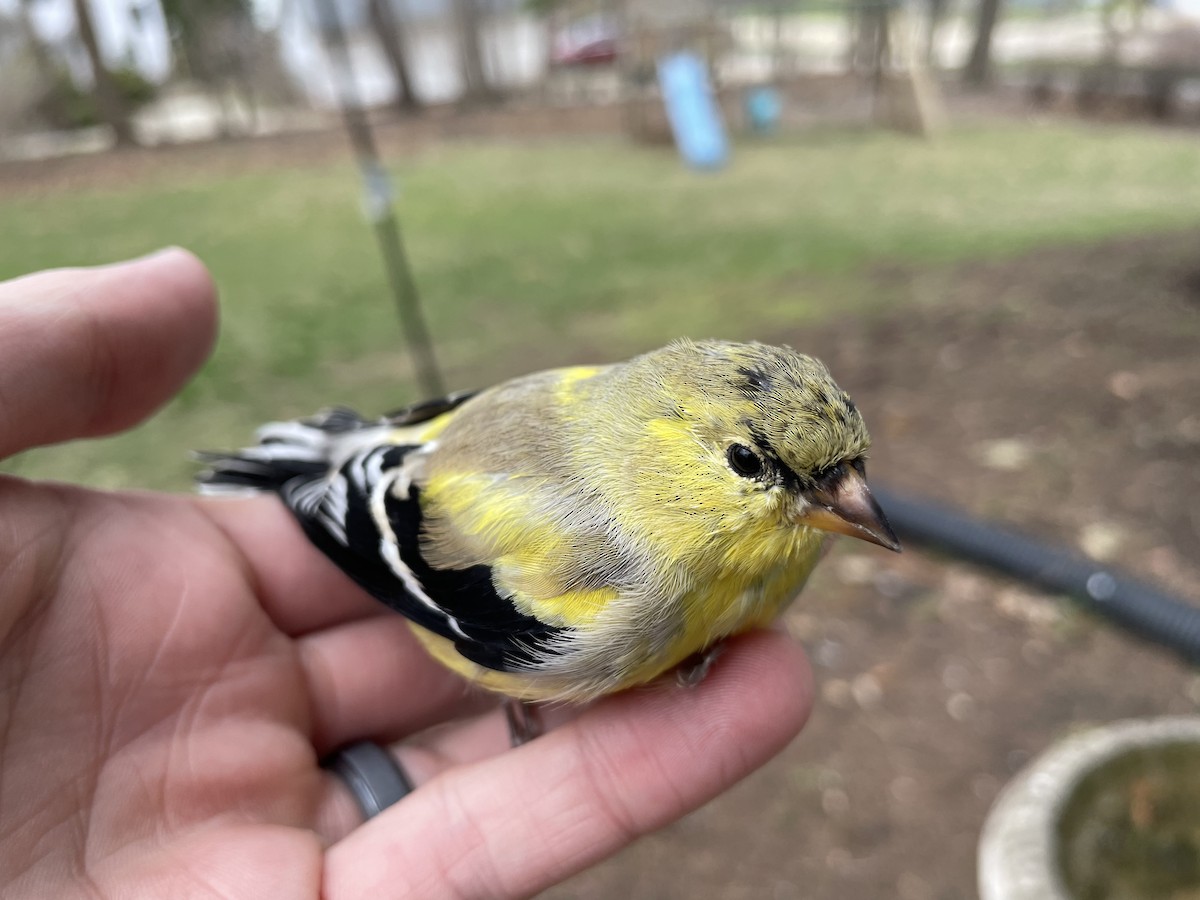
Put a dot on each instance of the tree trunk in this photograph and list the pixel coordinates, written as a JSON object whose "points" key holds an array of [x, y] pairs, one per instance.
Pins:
{"points": [[390, 35], [475, 85], [978, 71], [867, 49], [109, 102]]}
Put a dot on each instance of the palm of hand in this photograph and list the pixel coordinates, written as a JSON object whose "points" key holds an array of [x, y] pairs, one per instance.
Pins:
{"points": [[172, 670], [151, 704]]}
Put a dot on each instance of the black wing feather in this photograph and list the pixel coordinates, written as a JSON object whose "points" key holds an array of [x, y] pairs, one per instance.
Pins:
{"points": [[466, 608], [428, 409], [499, 636]]}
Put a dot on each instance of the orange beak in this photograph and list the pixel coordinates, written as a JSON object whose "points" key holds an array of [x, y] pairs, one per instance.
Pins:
{"points": [[842, 503]]}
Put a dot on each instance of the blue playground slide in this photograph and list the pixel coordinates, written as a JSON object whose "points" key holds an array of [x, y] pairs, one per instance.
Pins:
{"points": [[692, 111]]}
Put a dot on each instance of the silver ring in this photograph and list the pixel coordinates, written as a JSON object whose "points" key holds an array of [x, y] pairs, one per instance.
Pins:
{"points": [[373, 776]]}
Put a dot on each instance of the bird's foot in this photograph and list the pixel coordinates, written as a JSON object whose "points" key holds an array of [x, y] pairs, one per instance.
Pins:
{"points": [[693, 669], [524, 722]]}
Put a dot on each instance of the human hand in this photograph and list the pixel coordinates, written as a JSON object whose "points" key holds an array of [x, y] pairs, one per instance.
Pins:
{"points": [[173, 669]]}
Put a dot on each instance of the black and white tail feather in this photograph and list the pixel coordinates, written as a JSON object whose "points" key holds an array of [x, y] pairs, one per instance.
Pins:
{"points": [[348, 481], [304, 449]]}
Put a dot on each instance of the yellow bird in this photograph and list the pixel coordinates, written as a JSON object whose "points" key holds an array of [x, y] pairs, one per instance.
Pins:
{"points": [[579, 531]]}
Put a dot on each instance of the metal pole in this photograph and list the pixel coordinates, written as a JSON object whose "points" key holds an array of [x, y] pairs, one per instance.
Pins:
{"points": [[379, 209]]}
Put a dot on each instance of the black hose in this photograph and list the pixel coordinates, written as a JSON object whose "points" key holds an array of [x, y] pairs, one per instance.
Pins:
{"points": [[1132, 604]]}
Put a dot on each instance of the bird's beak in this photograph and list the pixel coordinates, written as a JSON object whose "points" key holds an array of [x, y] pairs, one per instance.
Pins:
{"points": [[843, 504]]}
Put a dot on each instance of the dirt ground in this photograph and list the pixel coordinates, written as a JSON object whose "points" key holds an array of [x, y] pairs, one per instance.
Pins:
{"points": [[1059, 392]]}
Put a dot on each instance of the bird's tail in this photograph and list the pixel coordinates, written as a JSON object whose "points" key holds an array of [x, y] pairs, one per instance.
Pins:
{"points": [[305, 448]]}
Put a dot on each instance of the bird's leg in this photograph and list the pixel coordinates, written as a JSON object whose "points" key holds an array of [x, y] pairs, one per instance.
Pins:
{"points": [[524, 722], [693, 669]]}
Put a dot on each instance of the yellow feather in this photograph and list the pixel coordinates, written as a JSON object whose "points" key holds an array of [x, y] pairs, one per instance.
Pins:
{"points": [[571, 377]]}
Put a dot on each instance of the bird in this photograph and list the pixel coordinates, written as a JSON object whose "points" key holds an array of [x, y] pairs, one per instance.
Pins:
{"points": [[575, 532]]}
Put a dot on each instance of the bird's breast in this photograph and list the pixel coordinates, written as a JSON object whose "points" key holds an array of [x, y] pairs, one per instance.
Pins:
{"points": [[749, 595]]}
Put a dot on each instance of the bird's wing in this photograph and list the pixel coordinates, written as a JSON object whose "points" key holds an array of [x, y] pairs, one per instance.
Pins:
{"points": [[552, 547], [348, 481], [367, 518], [508, 489], [428, 409]]}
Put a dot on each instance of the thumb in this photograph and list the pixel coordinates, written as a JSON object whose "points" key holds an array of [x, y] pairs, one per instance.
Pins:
{"points": [[87, 352]]}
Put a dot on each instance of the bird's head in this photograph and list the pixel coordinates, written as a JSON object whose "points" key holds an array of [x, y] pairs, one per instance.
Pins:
{"points": [[777, 438]]}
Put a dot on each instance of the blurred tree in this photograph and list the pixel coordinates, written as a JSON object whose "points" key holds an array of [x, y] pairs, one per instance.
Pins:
{"points": [[1120, 19], [389, 31], [547, 13], [978, 70], [188, 23], [869, 47], [470, 39], [66, 106], [109, 102], [779, 54], [48, 94], [936, 15], [213, 42]]}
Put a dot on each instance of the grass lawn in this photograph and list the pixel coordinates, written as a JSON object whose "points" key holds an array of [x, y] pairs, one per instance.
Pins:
{"points": [[539, 255]]}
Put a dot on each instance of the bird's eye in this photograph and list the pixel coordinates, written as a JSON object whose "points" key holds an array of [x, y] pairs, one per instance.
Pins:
{"points": [[744, 461]]}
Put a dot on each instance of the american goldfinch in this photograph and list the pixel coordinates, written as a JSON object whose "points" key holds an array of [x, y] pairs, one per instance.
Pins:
{"points": [[579, 531]]}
